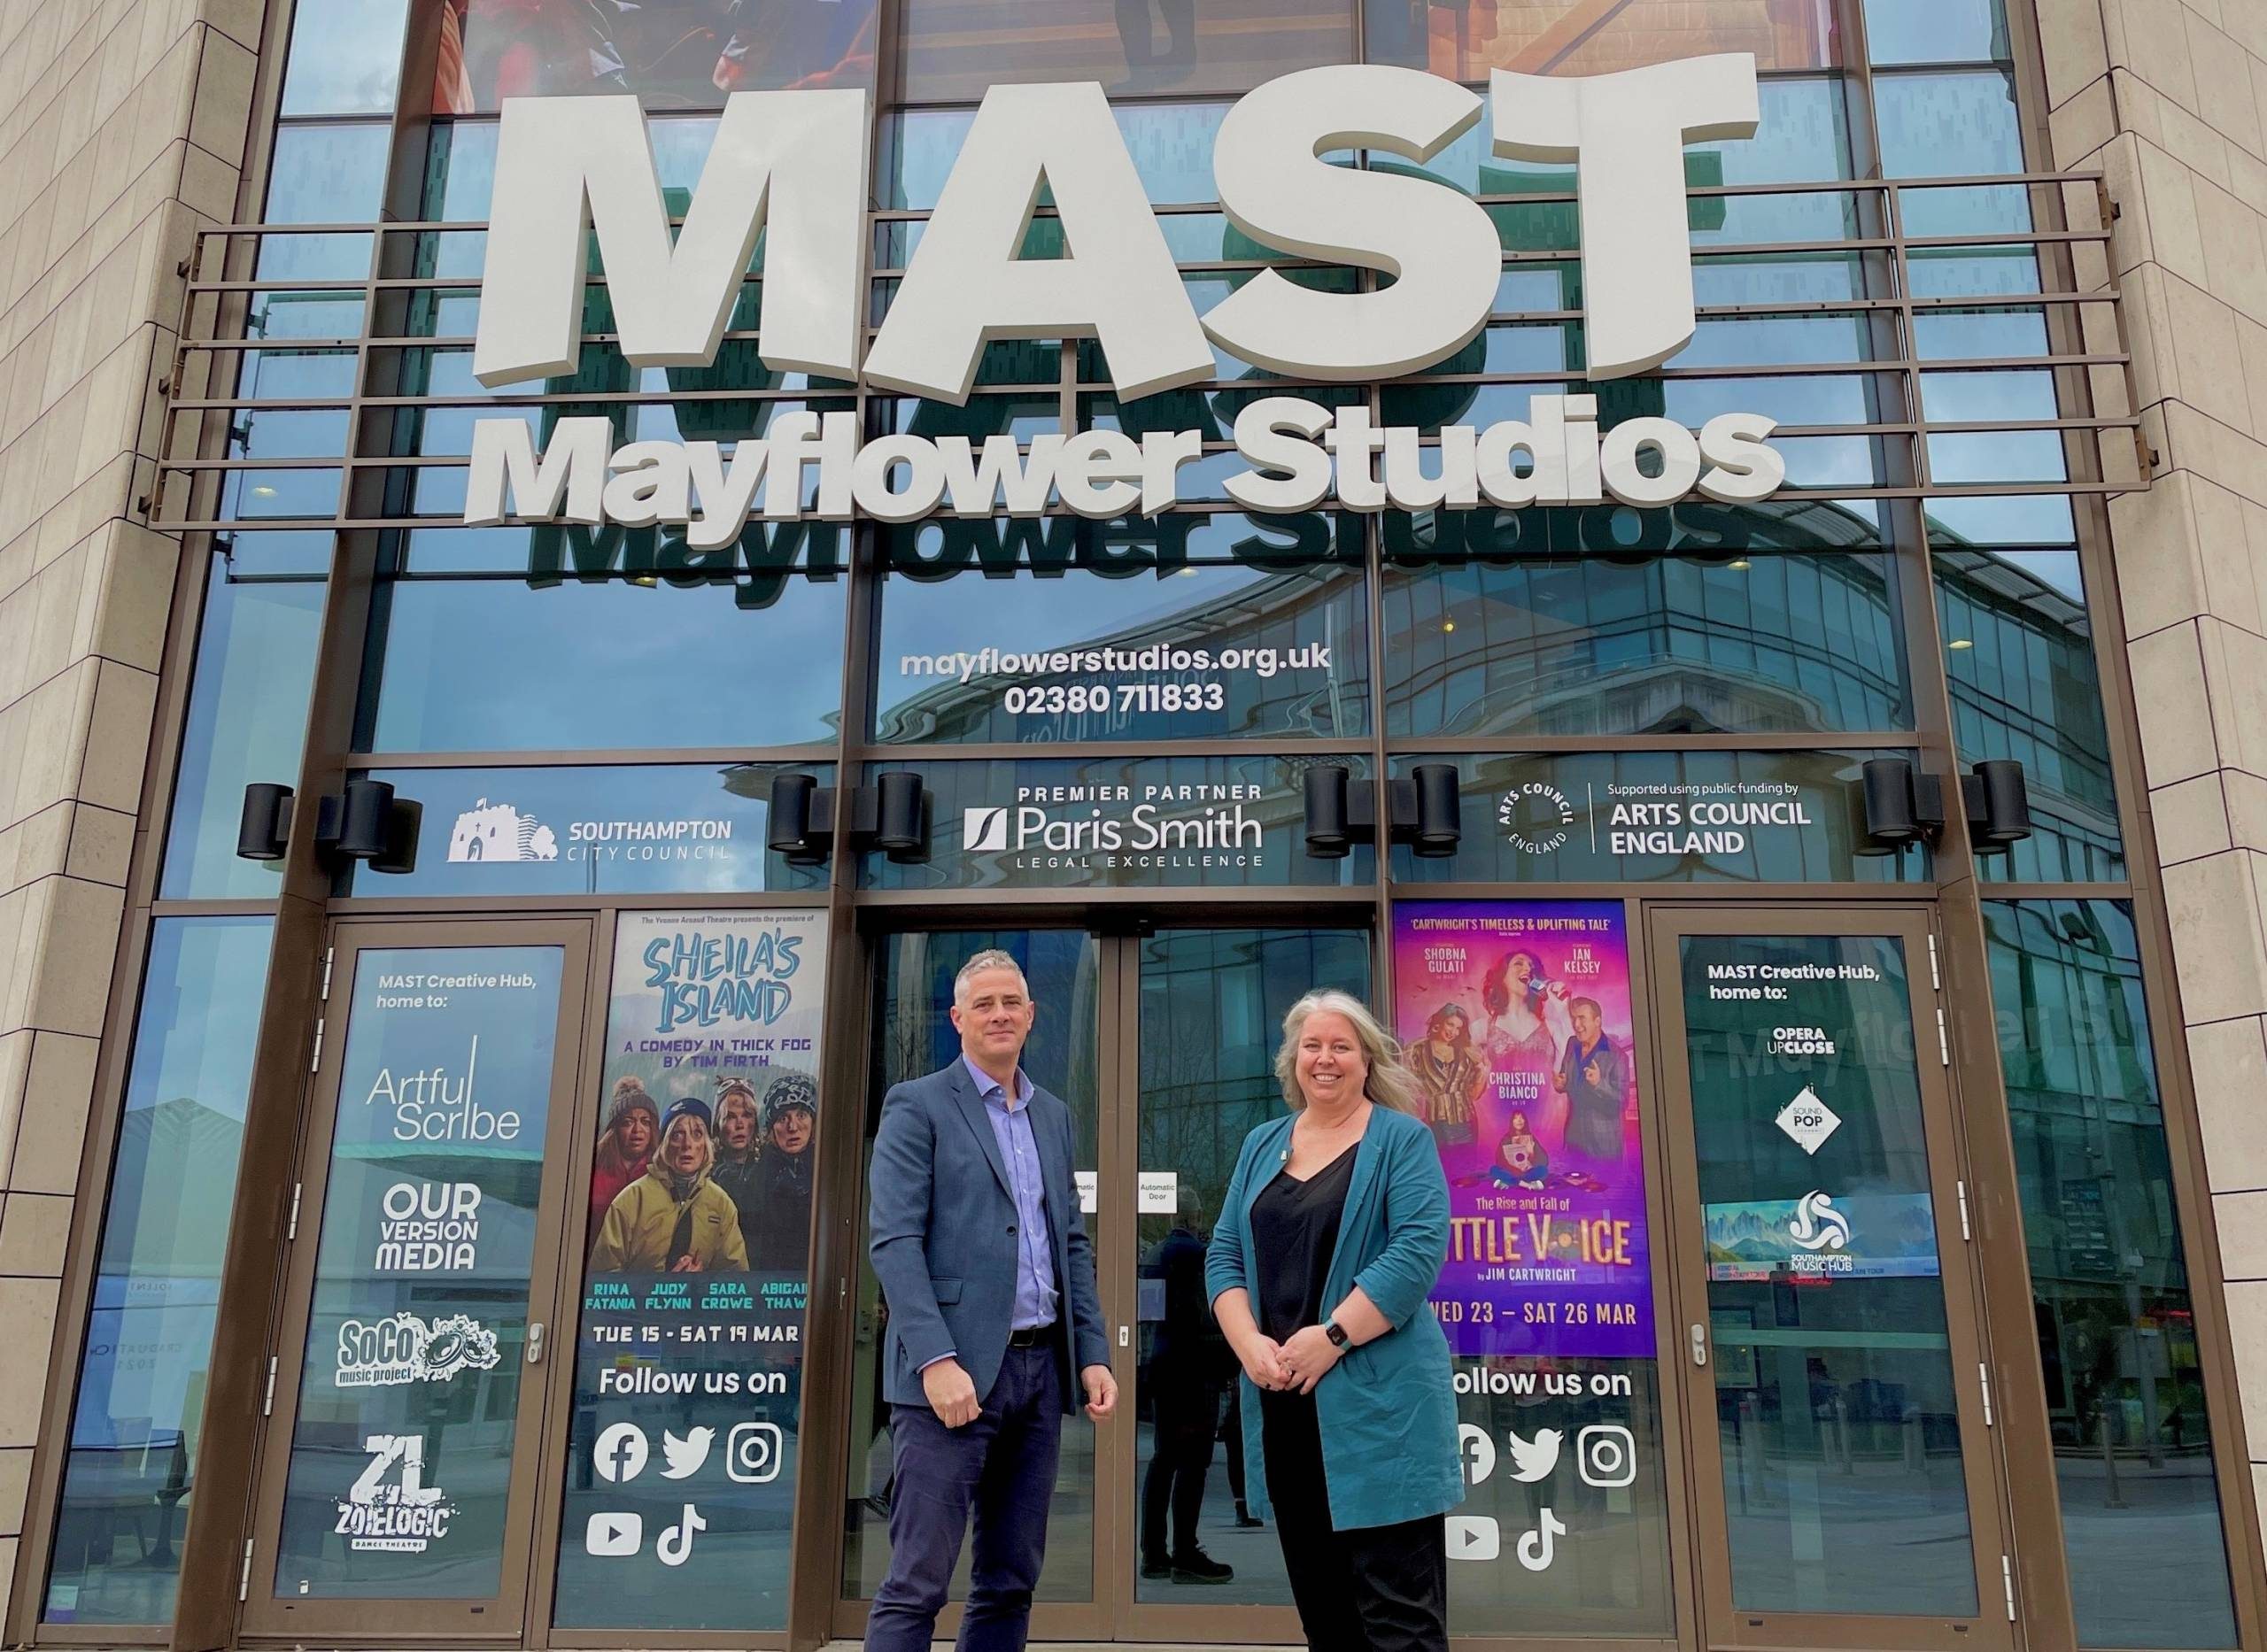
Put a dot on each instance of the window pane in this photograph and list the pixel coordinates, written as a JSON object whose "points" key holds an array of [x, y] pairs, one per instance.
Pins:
{"points": [[1171, 143], [1182, 626], [950, 50], [1948, 125], [345, 57], [1937, 31], [1659, 817], [673, 54], [606, 640], [324, 175], [141, 1405], [1463, 41], [2020, 663], [716, 1315], [247, 717], [2116, 1328], [1766, 643]]}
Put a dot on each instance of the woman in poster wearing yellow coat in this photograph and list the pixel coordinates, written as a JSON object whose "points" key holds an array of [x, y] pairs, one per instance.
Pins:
{"points": [[674, 1219]]}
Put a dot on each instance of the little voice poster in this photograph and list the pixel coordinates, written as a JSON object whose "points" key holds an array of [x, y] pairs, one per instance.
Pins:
{"points": [[1516, 1020], [688, 1376]]}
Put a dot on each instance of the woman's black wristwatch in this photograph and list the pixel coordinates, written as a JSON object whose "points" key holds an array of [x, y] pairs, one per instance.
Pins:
{"points": [[1336, 1333]]}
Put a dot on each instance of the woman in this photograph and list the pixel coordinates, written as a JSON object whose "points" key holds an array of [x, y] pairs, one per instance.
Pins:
{"points": [[1332, 1232], [780, 1237], [1451, 1074], [1527, 1014], [739, 1154], [632, 1123], [673, 1219]]}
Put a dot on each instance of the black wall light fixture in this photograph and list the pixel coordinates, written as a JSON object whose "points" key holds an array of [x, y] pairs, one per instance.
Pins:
{"points": [[365, 821], [1423, 810], [891, 816], [1901, 808]]}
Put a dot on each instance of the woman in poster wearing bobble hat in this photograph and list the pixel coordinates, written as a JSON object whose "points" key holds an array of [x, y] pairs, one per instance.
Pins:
{"points": [[674, 1218], [634, 1124]]}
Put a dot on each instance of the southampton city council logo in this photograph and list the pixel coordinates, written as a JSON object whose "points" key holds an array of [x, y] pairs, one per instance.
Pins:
{"points": [[497, 831], [1534, 816]]}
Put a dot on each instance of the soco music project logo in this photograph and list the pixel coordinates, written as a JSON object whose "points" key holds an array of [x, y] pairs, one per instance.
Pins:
{"points": [[405, 1349]]}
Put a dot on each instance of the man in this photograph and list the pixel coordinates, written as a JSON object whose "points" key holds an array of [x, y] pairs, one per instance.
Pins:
{"points": [[1592, 1078], [989, 1279], [1188, 1369]]}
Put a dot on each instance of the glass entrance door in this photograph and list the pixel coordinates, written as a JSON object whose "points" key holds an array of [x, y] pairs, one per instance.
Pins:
{"points": [[1834, 1376], [400, 1458], [1208, 1007], [1162, 1046]]}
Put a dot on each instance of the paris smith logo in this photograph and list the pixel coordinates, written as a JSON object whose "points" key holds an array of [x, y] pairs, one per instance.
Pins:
{"points": [[1142, 828]]}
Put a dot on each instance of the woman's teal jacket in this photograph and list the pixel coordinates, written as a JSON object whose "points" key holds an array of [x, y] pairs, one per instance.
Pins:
{"points": [[1388, 1409]]}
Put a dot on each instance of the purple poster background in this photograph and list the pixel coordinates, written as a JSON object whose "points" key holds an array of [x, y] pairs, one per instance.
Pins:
{"points": [[1517, 1019]]}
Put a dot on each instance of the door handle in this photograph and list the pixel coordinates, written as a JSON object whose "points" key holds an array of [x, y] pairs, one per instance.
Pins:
{"points": [[1125, 1336], [534, 1343], [1698, 1338]]}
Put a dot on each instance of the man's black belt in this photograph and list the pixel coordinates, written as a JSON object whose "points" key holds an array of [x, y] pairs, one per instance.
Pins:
{"points": [[1031, 1336]]}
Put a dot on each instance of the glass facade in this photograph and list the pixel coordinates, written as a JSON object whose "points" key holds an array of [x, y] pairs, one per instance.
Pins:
{"points": [[1582, 796]]}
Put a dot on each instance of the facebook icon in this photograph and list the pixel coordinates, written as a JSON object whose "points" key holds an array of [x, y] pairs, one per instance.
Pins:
{"points": [[620, 1454]]}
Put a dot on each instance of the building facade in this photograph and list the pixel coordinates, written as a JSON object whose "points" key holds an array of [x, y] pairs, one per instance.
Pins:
{"points": [[458, 953]]}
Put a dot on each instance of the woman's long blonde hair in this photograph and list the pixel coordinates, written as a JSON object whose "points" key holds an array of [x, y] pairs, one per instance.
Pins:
{"points": [[1389, 1083]]}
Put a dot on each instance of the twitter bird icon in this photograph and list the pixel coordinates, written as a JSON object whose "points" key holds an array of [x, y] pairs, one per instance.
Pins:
{"points": [[1531, 1459], [686, 1455]]}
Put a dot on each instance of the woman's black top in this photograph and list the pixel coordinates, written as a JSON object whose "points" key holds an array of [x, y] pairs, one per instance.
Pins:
{"points": [[1294, 1230]]}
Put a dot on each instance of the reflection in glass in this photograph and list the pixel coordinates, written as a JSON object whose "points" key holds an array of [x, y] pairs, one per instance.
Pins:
{"points": [[345, 57], [602, 639], [1842, 1484], [1463, 41], [403, 1441], [950, 50], [1212, 1007], [1177, 627], [1944, 31], [2116, 1323], [132, 1449], [1773, 643], [324, 173], [247, 715], [913, 1035], [2019, 661], [672, 54]]}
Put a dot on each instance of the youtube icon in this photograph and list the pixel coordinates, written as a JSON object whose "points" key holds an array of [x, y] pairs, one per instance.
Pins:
{"points": [[1474, 1537], [615, 1534]]}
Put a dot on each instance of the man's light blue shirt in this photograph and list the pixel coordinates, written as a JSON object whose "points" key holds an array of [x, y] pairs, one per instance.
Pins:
{"points": [[1036, 1298]]}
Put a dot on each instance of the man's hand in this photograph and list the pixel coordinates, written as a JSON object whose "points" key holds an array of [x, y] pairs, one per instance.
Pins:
{"points": [[1308, 1356], [1101, 1392], [952, 1392]]}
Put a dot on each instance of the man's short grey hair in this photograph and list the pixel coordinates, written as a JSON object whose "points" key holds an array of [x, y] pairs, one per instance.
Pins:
{"points": [[990, 958]]}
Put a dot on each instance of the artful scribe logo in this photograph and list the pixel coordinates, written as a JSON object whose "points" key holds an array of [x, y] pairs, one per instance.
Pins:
{"points": [[790, 166]]}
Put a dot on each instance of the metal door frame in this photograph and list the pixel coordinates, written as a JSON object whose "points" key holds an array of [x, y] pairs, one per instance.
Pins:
{"points": [[1720, 1624], [348, 1620]]}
